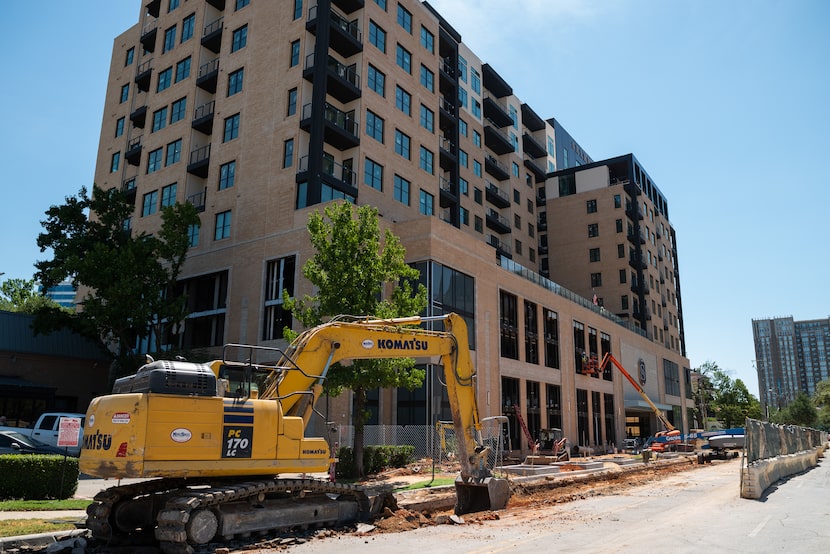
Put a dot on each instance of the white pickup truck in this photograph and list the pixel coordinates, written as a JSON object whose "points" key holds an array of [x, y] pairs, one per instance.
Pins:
{"points": [[47, 427]]}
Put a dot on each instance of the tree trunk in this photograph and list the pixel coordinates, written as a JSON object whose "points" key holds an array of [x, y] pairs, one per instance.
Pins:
{"points": [[358, 420]]}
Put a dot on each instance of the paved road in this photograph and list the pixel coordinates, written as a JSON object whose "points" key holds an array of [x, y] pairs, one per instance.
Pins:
{"points": [[694, 511]]}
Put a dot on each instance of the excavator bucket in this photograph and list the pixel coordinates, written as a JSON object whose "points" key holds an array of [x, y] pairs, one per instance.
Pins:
{"points": [[478, 496]]}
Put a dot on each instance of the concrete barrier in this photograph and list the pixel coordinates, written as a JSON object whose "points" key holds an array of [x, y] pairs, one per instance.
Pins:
{"points": [[758, 476]]}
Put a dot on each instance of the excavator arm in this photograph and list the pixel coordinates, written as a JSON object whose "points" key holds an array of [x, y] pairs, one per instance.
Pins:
{"points": [[657, 411]]}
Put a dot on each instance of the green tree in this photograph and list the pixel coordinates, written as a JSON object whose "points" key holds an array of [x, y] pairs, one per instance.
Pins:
{"points": [[801, 411], [357, 273], [21, 295], [728, 400], [821, 399], [128, 278]]}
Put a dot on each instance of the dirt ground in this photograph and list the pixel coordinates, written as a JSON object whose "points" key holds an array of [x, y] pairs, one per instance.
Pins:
{"points": [[525, 496]]}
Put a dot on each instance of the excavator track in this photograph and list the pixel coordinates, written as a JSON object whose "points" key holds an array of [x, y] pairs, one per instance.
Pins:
{"points": [[193, 517]]}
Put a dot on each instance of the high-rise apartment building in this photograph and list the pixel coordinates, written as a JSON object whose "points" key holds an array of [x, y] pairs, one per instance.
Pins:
{"points": [[790, 357], [258, 112]]}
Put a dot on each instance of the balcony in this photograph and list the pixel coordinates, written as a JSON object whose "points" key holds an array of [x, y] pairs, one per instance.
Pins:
{"points": [[339, 128], [348, 6], [532, 147], [138, 116], [502, 248], [543, 248], [636, 238], [208, 76], [148, 36], [636, 263], [212, 36], [448, 156], [496, 196], [198, 200], [218, 4], [632, 210], [494, 83], [333, 174], [495, 168], [153, 7], [203, 118], [536, 169], [496, 140], [496, 112], [446, 71], [342, 81], [199, 162], [128, 188], [497, 222], [531, 119], [133, 153], [344, 36], [143, 75]]}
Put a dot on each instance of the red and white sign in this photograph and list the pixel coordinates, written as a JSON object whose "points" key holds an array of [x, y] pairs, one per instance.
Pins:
{"points": [[121, 417], [69, 431]]}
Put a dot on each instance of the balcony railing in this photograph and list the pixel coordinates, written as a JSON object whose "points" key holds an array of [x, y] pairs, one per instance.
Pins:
{"points": [[331, 168]]}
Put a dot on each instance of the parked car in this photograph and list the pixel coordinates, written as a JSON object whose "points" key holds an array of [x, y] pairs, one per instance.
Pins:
{"points": [[12, 442]]}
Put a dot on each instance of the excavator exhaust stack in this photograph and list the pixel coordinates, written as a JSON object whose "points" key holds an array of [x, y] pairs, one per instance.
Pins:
{"points": [[472, 496]]}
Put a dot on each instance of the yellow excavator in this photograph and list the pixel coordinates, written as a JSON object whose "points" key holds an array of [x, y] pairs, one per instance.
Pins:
{"points": [[211, 441]]}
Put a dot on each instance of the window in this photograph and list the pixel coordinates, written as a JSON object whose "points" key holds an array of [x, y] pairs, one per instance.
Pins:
{"points": [[402, 143], [298, 9], [381, 3], [427, 78], [463, 186], [514, 169], [517, 221], [427, 119], [401, 190], [593, 255], [551, 334], [172, 5], [464, 215], [169, 39], [624, 302], [119, 127], [596, 279], [621, 251], [188, 25], [477, 168], [425, 203], [477, 195], [178, 109], [377, 36], [279, 277], [462, 97], [593, 230], [223, 225], [373, 174], [426, 160], [475, 81], [154, 161], [427, 39], [159, 119], [617, 201], [115, 162], [164, 79], [235, 81], [619, 225], [242, 3], [374, 126], [476, 107], [295, 53], [288, 153], [183, 69], [125, 93], [193, 235], [231, 128], [377, 80], [462, 69], [227, 175], [591, 206], [174, 152], [623, 276], [531, 333], [130, 57], [150, 203], [292, 102], [476, 138], [405, 19], [478, 224], [509, 324], [403, 100], [239, 39], [168, 195], [403, 58]]}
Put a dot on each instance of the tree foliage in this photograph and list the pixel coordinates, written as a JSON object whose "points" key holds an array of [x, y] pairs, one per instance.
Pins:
{"points": [[801, 411], [21, 295], [127, 278], [358, 270], [723, 398]]}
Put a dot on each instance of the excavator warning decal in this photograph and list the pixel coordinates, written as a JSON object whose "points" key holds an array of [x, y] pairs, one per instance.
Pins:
{"points": [[237, 442]]}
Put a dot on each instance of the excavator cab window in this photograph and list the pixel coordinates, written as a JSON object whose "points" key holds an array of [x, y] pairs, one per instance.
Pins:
{"points": [[238, 382]]}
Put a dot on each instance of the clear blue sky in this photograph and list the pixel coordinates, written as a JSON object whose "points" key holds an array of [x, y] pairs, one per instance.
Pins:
{"points": [[725, 103]]}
